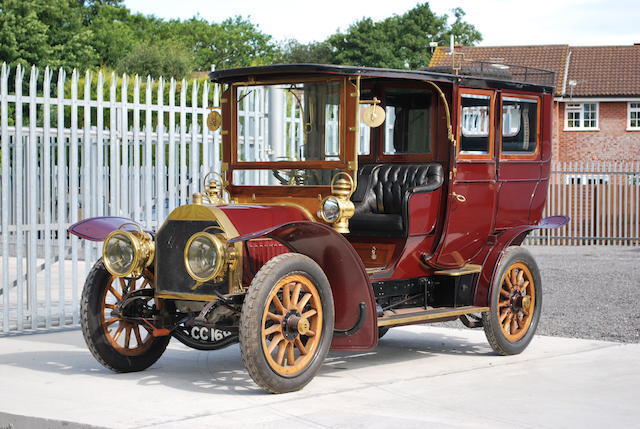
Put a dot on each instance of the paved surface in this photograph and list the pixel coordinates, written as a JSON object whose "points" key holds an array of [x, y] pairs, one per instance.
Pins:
{"points": [[588, 292], [419, 376]]}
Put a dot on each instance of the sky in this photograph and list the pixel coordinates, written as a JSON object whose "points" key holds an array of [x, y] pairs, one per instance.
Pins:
{"points": [[501, 22]]}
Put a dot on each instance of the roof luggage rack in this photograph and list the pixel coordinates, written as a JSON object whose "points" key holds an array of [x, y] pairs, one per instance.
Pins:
{"points": [[498, 70]]}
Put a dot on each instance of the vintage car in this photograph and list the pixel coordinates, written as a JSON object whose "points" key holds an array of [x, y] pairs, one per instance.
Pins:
{"points": [[362, 199]]}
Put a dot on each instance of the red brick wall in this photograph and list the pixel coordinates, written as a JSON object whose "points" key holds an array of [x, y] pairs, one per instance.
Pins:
{"points": [[611, 143]]}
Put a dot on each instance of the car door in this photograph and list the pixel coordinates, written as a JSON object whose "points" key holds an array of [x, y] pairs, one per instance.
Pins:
{"points": [[472, 189]]}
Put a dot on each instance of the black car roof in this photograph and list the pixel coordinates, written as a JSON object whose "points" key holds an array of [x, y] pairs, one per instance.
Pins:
{"points": [[242, 74]]}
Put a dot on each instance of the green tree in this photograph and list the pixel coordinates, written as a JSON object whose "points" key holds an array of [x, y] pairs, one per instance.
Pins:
{"points": [[45, 32], [400, 41], [168, 59], [294, 52]]}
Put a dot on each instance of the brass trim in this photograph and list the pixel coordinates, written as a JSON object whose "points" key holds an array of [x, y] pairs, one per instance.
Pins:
{"points": [[186, 296], [221, 260], [467, 269], [429, 315], [304, 210], [143, 251], [446, 111]]}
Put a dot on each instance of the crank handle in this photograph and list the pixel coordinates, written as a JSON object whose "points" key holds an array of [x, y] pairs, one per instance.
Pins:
{"points": [[459, 197]]}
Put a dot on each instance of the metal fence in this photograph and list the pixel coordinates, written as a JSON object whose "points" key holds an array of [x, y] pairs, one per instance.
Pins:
{"points": [[90, 145], [95, 145], [601, 198]]}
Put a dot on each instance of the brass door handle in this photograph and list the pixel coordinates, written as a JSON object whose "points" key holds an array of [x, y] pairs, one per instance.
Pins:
{"points": [[459, 197]]}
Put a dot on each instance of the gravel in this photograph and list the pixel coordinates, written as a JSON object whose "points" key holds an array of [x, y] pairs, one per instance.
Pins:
{"points": [[589, 292]]}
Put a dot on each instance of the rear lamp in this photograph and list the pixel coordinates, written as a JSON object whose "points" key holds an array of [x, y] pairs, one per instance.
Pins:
{"points": [[204, 257], [128, 253]]}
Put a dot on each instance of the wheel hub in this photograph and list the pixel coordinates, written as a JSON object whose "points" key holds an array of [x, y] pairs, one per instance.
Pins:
{"points": [[293, 325]]}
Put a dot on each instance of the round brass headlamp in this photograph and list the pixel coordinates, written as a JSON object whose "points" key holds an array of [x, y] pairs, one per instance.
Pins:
{"points": [[205, 257], [127, 253], [337, 208]]}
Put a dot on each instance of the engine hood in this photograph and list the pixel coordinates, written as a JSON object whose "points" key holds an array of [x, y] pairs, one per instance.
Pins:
{"points": [[241, 219]]}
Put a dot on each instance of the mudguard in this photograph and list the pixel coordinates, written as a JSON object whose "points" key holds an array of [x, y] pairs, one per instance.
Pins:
{"points": [[511, 237], [97, 228], [345, 271]]}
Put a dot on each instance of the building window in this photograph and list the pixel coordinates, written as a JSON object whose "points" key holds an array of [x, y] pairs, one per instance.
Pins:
{"points": [[581, 116], [633, 116]]}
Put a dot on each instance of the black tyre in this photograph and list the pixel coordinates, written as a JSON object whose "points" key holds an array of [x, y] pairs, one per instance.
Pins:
{"points": [[118, 344], [516, 303], [286, 325]]}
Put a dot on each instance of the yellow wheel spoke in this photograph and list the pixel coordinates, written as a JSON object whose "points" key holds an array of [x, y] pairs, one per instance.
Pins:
{"points": [[305, 299], [115, 293], [300, 346], [296, 294], [118, 332], [136, 331], [504, 315], [281, 351], [309, 314], [275, 317], [286, 296], [273, 329], [276, 301], [112, 321], [274, 343], [291, 358]]}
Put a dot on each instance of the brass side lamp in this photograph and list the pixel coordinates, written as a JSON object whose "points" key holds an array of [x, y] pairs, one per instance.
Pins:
{"points": [[337, 208]]}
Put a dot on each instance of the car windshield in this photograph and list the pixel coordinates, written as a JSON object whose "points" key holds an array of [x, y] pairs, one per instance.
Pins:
{"points": [[291, 122]]}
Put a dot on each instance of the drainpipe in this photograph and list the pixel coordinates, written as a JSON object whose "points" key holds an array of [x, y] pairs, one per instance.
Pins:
{"points": [[566, 74]]}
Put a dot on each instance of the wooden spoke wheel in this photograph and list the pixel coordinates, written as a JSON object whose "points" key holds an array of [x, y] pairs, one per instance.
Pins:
{"points": [[128, 336], [516, 301], [116, 335], [286, 325], [291, 324]]}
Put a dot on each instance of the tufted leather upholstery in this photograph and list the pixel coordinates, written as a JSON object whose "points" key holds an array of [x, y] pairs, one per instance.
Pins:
{"points": [[383, 192]]}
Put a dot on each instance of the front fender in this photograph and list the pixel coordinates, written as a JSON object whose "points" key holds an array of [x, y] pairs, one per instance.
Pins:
{"points": [[344, 269], [97, 228], [511, 237]]}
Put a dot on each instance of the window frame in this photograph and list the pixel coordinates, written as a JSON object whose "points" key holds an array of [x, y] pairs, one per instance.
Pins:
{"points": [[581, 127], [524, 155], [629, 110], [492, 111], [377, 150]]}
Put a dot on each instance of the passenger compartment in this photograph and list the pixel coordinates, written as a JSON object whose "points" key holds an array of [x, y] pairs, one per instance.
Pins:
{"points": [[382, 196]]}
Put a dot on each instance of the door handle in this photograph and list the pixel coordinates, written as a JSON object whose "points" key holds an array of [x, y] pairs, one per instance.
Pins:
{"points": [[459, 197]]}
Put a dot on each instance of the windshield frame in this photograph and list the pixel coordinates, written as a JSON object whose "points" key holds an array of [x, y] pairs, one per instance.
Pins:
{"points": [[345, 151]]}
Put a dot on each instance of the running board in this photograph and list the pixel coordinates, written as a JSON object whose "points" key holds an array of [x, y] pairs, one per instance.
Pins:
{"points": [[467, 269], [423, 316]]}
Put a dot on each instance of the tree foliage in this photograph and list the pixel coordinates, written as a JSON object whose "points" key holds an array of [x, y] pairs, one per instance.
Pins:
{"points": [[89, 34], [400, 41]]}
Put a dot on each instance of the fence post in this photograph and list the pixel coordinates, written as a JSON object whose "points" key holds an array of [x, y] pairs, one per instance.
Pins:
{"points": [[4, 194]]}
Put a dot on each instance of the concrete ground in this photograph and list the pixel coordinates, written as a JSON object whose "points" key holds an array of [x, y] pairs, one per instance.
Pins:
{"points": [[419, 376]]}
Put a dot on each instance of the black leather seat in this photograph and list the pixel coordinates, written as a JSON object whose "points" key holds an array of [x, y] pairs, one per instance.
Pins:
{"points": [[382, 196]]}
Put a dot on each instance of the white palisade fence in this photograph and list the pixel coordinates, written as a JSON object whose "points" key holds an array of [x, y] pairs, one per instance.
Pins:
{"points": [[88, 145]]}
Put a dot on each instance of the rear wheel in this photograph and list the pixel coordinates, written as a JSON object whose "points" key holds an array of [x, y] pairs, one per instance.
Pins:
{"points": [[516, 302], [286, 324], [118, 342]]}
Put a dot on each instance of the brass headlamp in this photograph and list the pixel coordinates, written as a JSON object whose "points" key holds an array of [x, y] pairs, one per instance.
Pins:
{"points": [[128, 253], [206, 257], [337, 208]]}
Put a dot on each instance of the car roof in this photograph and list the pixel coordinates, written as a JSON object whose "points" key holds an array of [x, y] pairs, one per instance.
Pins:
{"points": [[273, 71]]}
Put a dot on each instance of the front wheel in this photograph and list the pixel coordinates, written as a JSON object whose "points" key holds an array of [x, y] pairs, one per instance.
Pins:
{"points": [[516, 302], [118, 342], [286, 325]]}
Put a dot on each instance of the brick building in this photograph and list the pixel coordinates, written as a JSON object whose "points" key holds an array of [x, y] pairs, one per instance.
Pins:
{"points": [[597, 94]]}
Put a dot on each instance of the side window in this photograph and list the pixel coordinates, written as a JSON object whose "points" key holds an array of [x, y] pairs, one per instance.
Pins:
{"points": [[475, 124], [408, 123], [519, 125]]}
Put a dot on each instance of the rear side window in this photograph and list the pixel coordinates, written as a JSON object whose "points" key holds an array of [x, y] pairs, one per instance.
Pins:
{"points": [[519, 125], [475, 123]]}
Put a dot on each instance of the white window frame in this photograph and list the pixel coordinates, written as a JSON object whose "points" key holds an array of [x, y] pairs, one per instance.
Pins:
{"points": [[568, 107], [635, 109]]}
